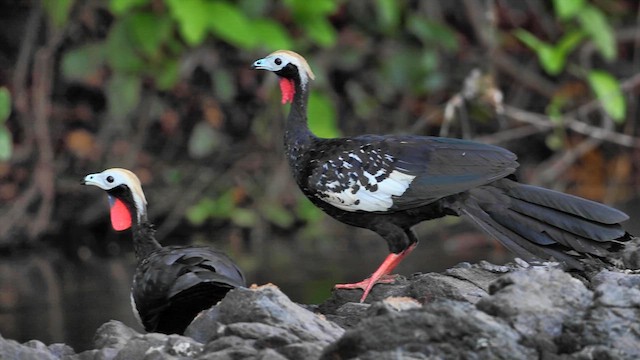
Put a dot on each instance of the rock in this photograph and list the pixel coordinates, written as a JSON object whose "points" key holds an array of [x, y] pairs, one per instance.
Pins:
{"points": [[349, 314], [33, 350], [250, 321], [268, 305], [443, 329], [617, 289], [114, 340], [205, 326], [537, 302], [611, 324], [474, 311], [113, 334], [379, 292], [465, 282]]}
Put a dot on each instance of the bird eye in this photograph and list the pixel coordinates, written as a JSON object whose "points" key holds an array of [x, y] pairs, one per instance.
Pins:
{"points": [[277, 61], [109, 179]]}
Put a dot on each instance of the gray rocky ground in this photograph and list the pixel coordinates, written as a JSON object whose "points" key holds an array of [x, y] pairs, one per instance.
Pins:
{"points": [[480, 311]]}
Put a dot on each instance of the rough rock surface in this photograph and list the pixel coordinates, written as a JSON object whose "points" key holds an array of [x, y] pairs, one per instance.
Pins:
{"points": [[480, 311]]}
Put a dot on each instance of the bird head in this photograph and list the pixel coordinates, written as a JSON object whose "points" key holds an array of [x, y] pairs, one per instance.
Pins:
{"points": [[126, 198], [290, 67]]}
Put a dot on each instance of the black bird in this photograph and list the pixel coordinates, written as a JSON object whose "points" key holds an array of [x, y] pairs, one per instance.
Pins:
{"points": [[171, 284], [390, 183]]}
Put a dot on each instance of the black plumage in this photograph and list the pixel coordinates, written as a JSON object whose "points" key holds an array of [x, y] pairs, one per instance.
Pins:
{"points": [[171, 284], [390, 183]]}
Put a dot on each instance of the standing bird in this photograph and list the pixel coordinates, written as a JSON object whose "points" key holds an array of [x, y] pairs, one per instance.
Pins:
{"points": [[390, 183], [171, 284]]}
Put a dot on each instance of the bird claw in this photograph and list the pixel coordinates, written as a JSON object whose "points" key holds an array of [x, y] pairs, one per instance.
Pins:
{"points": [[367, 284], [381, 275], [385, 279]]}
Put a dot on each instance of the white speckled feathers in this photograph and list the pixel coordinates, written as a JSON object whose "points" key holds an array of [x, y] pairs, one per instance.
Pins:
{"points": [[352, 188], [397, 173]]}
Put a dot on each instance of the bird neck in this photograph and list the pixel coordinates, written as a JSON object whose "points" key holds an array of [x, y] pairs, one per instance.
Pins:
{"points": [[297, 136], [144, 240]]}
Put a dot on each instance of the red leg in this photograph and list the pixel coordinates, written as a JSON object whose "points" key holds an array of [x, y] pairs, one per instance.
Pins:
{"points": [[381, 275]]}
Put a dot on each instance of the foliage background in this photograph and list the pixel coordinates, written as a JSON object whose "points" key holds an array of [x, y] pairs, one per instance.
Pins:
{"points": [[163, 87]]}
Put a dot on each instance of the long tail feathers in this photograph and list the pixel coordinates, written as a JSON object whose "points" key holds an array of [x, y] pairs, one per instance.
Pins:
{"points": [[537, 223], [571, 204]]}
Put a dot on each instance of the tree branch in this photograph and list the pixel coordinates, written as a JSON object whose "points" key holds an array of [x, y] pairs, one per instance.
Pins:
{"points": [[568, 122]]}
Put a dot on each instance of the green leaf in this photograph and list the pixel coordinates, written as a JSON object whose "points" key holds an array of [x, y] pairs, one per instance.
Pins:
{"points": [[231, 25], [204, 140], [200, 212], [303, 9], [388, 14], [6, 144], [223, 205], [322, 116], [193, 18], [608, 91], [312, 17], [277, 214], [566, 9], [173, 176], [595, 23], [120, 7], [150, 31], [307, 211], [244, 217], [271, 35], [569, 41], [121, 50], [5, 104], [529, 39], [80, 63], [58, 11], [320, 30], [254, 8], [430, 32], [167, 76], [123, 94], [551, 59], [554, 141], [224, 85], [432, 79]]}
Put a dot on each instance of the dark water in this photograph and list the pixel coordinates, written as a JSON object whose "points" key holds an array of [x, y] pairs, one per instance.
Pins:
{"points": [[51, 299], [48, 297]]}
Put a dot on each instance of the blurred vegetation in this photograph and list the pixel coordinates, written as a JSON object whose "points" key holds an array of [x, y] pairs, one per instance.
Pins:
{"points": [[163, 87], [6, 143]]}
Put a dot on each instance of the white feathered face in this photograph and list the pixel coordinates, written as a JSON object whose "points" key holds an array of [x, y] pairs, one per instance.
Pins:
{"points": [[274, 62], [290, 67], [278, 60], [112, 180]]}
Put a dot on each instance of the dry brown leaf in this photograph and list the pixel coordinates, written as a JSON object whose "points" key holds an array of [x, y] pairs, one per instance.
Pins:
{"points": [[81, 144], [212, 113], [169, 121]]}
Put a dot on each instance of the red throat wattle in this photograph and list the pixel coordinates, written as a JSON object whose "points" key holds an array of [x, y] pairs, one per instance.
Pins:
{"points": [[288, 89], [120, 216]]}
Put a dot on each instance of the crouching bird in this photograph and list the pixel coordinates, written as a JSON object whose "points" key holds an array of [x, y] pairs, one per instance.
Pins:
{"points": [[390, 183], [171, 284]]}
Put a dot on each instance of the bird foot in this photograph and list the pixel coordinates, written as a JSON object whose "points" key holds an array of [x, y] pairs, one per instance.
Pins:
{"points": [[385, 279], [381, 275], [367, 284]]}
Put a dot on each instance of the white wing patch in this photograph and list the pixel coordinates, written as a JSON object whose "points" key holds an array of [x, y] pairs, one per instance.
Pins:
{"points": [[380, 199], [136, 314]]}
